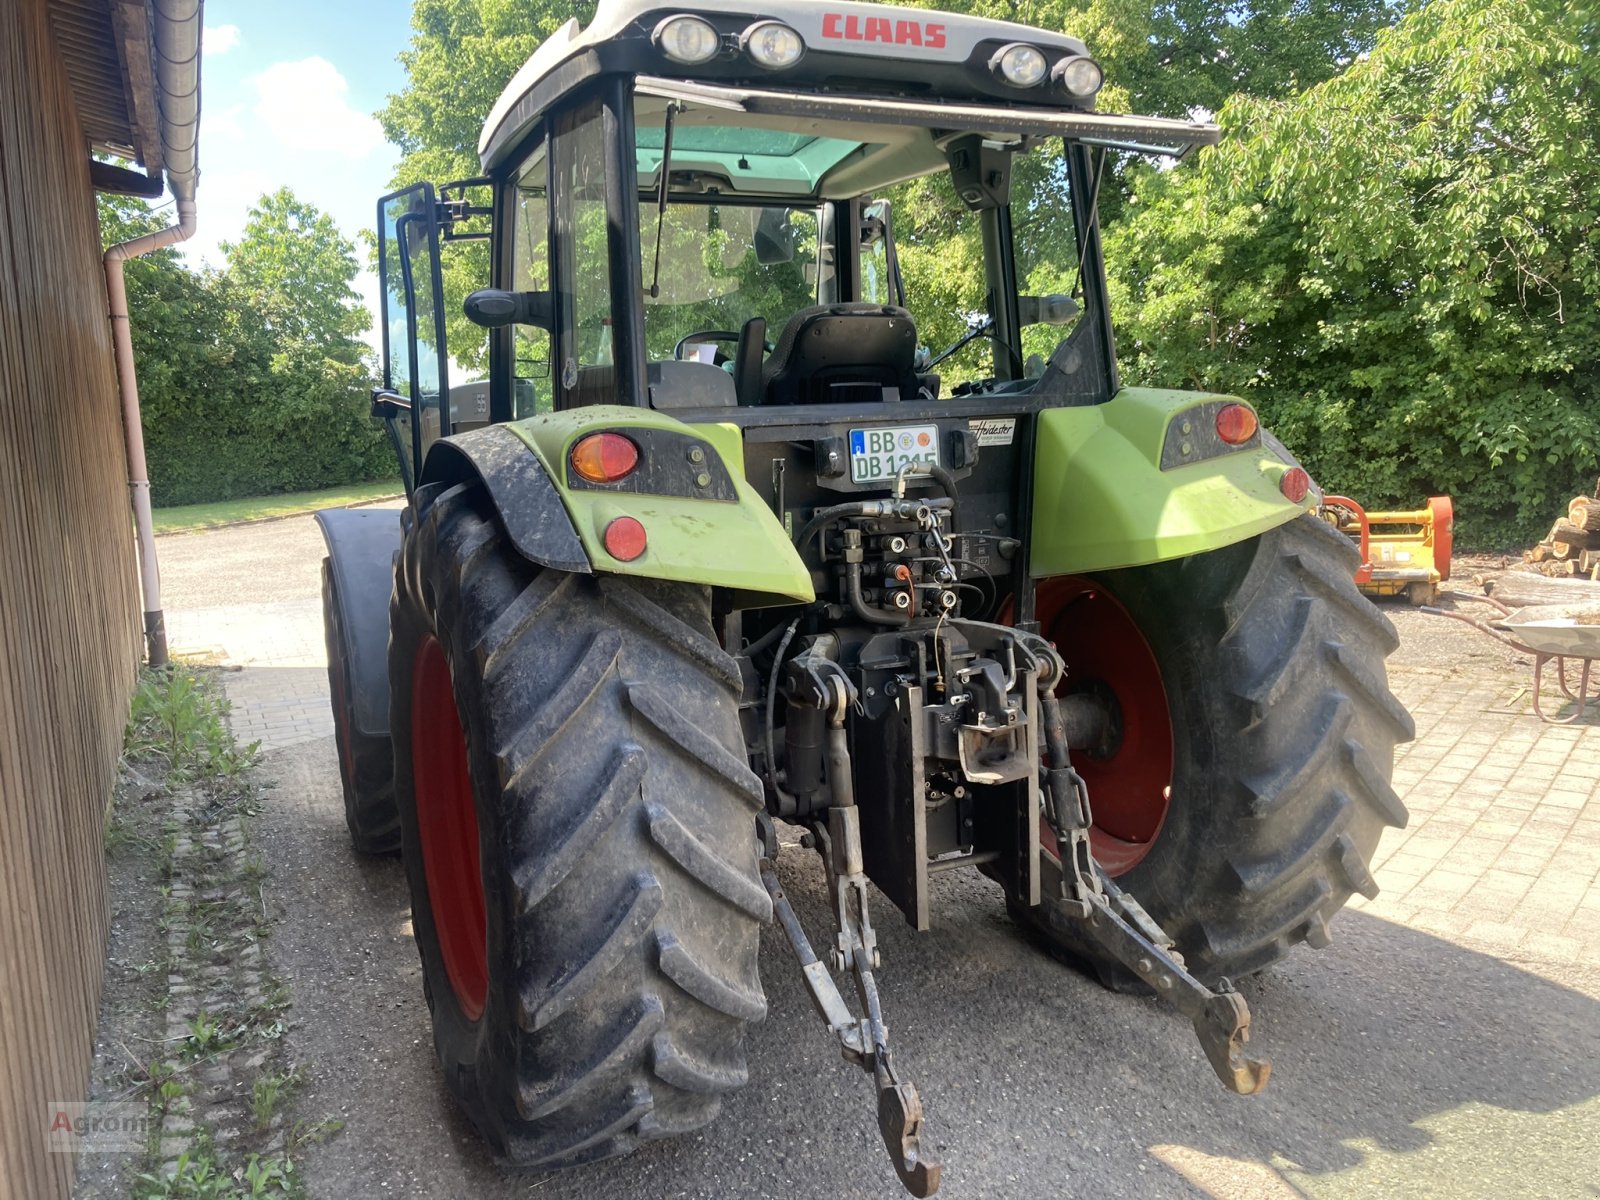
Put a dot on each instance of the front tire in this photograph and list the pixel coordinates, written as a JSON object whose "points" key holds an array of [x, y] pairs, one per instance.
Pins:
{"points": [[1280, 738], [366, 764], [579, 838]]}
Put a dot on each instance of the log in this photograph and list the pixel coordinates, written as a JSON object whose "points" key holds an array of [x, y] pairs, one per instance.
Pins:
{"points": [[1522, 588], [1575, 536]]}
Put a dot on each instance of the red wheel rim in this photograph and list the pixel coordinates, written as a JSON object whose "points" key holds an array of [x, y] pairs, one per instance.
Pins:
{"points": [[447, 827], [1130, 789]]}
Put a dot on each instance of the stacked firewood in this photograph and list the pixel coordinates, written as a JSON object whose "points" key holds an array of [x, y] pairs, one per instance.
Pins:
{"points": [[1572, 546]]}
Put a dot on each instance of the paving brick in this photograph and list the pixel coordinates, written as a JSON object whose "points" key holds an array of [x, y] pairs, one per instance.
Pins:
{"points": [[1495, 933], [1436, 921], [1566, 799], [1550, 947]]}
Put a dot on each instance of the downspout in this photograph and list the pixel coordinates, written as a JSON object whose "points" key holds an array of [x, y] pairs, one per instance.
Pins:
{"points": [[177, 42]]}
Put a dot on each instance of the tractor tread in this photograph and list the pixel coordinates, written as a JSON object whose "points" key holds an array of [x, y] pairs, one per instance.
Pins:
{"points": [[696, 978], [702, 864], [537, 877], [687, 738], [689, 1074], [581, 685], [697, 645], [551, 1096], [1284, 728], [626, 932], [623, 900]]}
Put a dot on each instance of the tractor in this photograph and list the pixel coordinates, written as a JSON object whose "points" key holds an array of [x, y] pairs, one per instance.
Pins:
{"points": [[800, 490]]}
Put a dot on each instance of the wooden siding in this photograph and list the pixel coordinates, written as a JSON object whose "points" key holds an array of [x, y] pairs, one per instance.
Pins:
{"points": [[69, 639]]}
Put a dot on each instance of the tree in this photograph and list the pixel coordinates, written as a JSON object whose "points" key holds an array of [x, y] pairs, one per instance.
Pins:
{"points": [[249, 385], [1401, 266], [294, 265]]}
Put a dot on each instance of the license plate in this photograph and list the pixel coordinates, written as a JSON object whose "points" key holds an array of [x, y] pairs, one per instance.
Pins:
{"points": [[877, 455]]}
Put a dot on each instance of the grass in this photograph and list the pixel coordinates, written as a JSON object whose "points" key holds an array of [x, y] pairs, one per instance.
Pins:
{"points": [[188, 517]]}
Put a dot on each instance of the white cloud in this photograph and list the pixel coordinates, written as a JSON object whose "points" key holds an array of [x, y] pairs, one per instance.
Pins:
{"points": [[219, 39], [303, 105], [223, 125]]}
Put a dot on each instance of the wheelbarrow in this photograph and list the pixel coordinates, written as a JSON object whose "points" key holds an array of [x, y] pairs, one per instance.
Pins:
{"points": [[1546, 632]]}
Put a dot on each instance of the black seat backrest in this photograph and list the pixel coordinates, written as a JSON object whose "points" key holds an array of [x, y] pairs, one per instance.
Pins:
{"points": [[843, 352]]}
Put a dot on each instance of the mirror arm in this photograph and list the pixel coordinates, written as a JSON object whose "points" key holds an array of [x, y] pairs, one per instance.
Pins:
{"points": [[389, 405]]}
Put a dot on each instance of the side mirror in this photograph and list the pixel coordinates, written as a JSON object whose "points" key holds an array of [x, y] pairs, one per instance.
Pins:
{"points": [[1047, 310], [495, 309], [774, 238]]}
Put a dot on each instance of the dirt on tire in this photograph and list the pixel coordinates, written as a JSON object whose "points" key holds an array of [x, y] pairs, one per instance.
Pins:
{"points": [[619, 846], [1284, 731]]}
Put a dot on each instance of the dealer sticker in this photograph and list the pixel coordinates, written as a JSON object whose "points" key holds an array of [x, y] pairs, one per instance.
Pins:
{"points": [[993, 431]]}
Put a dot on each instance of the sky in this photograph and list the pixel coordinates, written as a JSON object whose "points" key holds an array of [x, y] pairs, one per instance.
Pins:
{"points": [[288, 93]]}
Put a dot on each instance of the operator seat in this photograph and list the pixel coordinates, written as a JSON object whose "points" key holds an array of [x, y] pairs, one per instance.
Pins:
{"points": [[843, 352]]}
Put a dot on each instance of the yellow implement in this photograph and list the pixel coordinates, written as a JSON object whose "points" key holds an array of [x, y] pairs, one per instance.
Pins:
{"points": [[1413, 561]]}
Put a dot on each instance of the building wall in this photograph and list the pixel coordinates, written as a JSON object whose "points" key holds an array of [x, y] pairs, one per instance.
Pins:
{"points": [[69, 640]]}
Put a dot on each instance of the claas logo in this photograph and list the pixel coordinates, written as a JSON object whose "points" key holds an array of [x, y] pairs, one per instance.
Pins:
{"points": [[844, 28]]}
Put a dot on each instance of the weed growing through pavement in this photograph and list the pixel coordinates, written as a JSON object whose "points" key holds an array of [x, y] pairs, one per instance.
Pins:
{"points": [[180, 718], [212, 908]]}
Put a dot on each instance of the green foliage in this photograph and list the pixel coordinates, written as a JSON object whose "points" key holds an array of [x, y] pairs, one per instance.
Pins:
{"points": [[251, 379], [1399, 266], [197, 1175], [270, 1093], [295, 268], [179, 717]]}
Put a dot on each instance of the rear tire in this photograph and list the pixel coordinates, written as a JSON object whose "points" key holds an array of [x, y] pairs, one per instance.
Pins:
{"points": [[615, 818], [366, 764], [1283, 736]]}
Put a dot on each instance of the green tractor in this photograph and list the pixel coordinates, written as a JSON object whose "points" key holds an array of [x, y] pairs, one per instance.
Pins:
{"points": [[741, 530]]}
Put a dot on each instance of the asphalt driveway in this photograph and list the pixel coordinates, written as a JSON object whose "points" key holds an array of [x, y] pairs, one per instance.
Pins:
{"points": [[1446, 1044]]}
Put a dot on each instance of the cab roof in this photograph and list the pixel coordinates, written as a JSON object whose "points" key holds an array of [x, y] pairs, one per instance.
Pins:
{"points": [[850, 47]]}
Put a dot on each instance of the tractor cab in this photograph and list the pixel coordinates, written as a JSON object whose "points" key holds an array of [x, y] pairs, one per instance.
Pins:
{"points": [[694, 211]]}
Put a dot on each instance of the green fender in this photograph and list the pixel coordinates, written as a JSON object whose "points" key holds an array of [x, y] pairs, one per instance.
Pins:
{"points": [[1103, 499], [733, 542]]}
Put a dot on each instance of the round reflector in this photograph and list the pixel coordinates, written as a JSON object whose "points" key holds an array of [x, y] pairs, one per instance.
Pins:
{"points": [[1295, 484], [1019, 64], [773, 45], [688, 40], [1080, 76], [624, 539], [1236, 423], [604, 457]]}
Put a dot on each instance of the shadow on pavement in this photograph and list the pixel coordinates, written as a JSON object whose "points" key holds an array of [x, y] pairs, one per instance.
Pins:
{"points": [[1036, 1081]]}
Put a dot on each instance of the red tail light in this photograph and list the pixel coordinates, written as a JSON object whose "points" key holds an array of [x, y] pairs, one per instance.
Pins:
{"points": [[1295, 484], [624, 539], [1236, 423], [604, 457]]}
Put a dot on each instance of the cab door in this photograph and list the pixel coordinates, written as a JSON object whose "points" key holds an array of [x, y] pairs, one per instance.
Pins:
{"points": [[415, 353]]}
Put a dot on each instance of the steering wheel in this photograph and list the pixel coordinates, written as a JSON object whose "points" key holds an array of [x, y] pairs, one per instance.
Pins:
{"points": [[704, 336]]}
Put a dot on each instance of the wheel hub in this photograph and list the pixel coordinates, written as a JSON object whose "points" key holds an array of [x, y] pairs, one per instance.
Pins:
{"points": [[1114, 681]]}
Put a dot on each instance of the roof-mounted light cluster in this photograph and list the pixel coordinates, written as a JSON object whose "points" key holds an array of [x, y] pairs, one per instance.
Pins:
{"points": [[1024, 66], [694, 41]]}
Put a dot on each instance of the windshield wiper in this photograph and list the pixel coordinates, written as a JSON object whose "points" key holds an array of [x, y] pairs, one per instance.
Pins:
{"points": [[661, 194], [1094, 220]]}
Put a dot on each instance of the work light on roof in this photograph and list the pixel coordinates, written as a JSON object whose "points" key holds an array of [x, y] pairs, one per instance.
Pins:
{"points": [[1081, 76], [1020, 64], [688, 40], [773, 45]]}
